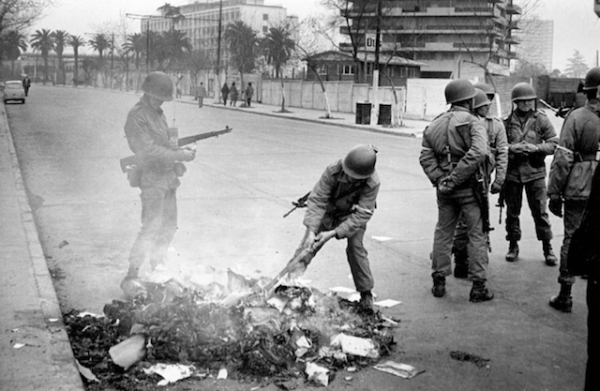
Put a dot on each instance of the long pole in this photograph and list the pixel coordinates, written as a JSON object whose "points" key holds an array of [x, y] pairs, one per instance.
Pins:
{"points": [[148, 46], [218, 65], [375, 109]]}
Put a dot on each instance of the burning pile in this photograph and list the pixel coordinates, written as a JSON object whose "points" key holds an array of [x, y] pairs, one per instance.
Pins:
{"points": [[296, 332]]}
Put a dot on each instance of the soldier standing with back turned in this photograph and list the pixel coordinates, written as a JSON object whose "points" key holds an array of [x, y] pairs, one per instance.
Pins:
{"points": [[531, 137], [454, 147], [571, 174]]}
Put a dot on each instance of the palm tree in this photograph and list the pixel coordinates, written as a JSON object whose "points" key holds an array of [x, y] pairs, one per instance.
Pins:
{"points": [[136, 44], [42, 41], [60, 38], [11, 47], [243, 45], [174, 44], [100, 43], [278, 47], [76, 42]]}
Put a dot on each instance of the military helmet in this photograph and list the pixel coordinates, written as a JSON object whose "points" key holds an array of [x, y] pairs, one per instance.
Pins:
{"points": [[522, 91], [458, 91], [359, 163], [488, 89], [481, 99], [158, 85], [592, 79]]}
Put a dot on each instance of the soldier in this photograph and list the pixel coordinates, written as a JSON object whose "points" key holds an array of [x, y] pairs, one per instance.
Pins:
{"points": [[571, 174], [340, 205], [497, 162], [531, 138], [454, 149], [147, 134]]}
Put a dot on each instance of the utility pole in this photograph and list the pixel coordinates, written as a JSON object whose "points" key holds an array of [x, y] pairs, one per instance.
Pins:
{"points": [[112, 58], [218, 65], [375, 108]]}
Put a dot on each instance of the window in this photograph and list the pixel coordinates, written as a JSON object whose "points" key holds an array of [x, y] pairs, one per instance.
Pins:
{"points": [[265, 29], [322, 69], [265, 16], [347, 69]]}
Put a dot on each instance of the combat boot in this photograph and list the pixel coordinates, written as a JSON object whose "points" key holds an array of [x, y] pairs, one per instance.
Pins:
{"points": [[563, 301], [513, 251], [366, 300], [480, 293], [549, 254], [439, 286]]}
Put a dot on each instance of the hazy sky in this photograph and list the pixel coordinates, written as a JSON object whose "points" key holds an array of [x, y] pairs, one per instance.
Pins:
{"points": [[576, 26]]}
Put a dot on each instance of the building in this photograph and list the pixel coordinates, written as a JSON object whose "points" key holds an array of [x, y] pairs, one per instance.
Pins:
{"points": [[452, 38], [537, 39]]}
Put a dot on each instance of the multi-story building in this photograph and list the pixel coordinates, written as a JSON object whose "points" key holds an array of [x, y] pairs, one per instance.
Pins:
{"points": [[452, 38], [537, 38]]}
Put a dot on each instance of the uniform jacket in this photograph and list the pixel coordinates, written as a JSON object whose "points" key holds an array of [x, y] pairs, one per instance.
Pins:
{"points": [[575, 158], [332, 200], [498, 157], [146, 132], [458, 136], [537, 130]]}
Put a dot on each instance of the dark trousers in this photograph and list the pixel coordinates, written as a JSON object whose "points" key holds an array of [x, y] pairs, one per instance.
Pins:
{"points": [[536, 198], [159, 223], [224, 100], [573, 214], [592, 373]]}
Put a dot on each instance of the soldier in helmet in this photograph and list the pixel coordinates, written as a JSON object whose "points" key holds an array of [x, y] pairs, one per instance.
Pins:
{"points": [[147, 134], [496, 163], [454, 148], [531, 137], [571, 173], [339, 206]]}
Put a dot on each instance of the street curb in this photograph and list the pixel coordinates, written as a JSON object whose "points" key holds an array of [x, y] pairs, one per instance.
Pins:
{"points": [[63, 364]]}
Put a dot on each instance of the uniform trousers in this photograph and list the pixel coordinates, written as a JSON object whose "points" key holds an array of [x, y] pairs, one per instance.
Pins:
{"points": [[592, 373], [572, 216], [536, 198]]}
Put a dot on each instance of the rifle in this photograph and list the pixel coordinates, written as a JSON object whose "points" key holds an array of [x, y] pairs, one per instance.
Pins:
{"points": [[130, 162], [560, 112], [301, 203], [500, 204]]}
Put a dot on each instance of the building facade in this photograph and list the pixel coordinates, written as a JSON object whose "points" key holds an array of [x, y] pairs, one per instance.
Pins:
{"points": [[452, 38]]}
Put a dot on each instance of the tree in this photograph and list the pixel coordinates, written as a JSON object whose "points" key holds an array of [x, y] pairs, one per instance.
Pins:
{"points": [[12, 44], [76, 42], [100, 43], [18, 15], [136, 44], [42, 41], [60, 38], [277, 47], [576, 66], [196, 61], [172, 46], [243, 45]]}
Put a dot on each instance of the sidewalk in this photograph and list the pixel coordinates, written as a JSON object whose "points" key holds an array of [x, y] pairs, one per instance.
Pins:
{"points": [[409, 128], [35, 353]]}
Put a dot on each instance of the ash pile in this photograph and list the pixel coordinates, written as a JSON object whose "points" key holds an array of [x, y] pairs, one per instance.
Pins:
{"points": [[171, 331]]}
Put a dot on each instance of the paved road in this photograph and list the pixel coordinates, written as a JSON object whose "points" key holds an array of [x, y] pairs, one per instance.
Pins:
{"points": [[231, 204]]}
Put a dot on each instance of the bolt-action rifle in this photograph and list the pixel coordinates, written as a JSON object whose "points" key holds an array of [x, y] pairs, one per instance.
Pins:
{"points": [[560, 112], [300, 203], [133, 161]]}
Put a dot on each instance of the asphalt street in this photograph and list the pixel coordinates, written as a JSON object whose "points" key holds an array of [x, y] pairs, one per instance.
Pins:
{"points": [[231, 204]]}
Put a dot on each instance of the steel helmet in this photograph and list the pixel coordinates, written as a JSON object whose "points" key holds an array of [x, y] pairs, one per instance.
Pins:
{"points": [[488, 89], [592, 79], [158, 85], [522, 91], [481, 99], [459, 90], [359, 163]]}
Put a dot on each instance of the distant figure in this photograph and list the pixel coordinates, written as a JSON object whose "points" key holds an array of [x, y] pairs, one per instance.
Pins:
{"points": [[233, 94], [225, 93], [201, 94], [249, 93], [26, 84]]}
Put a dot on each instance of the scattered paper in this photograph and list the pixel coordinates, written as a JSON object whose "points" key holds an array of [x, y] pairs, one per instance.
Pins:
{"points": [[85, 372], [52, 320], [86, 313], [356, 346], [387, 303], [222, 374], [170, 373], [381, 238], [317, 373], [403, 370], [342, 289], [19, 345]]}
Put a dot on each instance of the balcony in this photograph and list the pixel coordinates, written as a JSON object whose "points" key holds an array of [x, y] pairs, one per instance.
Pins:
{"points": [[514, 25], [513, 9], [513, 40]]}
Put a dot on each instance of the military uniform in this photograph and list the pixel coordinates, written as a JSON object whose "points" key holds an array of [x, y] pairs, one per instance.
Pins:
{"points": [[528, 172], [454, 147]]}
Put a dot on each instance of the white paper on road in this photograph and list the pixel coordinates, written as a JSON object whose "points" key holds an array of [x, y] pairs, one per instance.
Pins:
{"points": [[387, 303], [381, 238], [395, 368], [342, 289]]}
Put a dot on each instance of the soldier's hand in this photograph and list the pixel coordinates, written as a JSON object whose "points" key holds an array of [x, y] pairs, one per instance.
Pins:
{"points": [[309, 239], [187, 155], [322, 238], [495, 188], [445, 186], [519, 149], [531, 148], [555, 205]]}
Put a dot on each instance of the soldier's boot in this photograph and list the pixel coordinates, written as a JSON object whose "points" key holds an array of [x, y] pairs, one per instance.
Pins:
{"points": [[439, 286], [480, 293], [563, 301], [551, 259], [366, 300], [461, 263], [513, 251]]}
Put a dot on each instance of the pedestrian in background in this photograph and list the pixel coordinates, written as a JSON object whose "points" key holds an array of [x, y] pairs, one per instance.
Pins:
{"points": [[233, 95], [454, 149], [225, 93], [496, 163], [201, 94], [340, 205], [570, 179], [26, 84], [249, 94], [148, 137], [531, 137]]}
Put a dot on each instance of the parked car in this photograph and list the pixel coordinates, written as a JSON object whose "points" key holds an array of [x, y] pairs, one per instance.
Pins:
{"points": [[13, 90]]}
